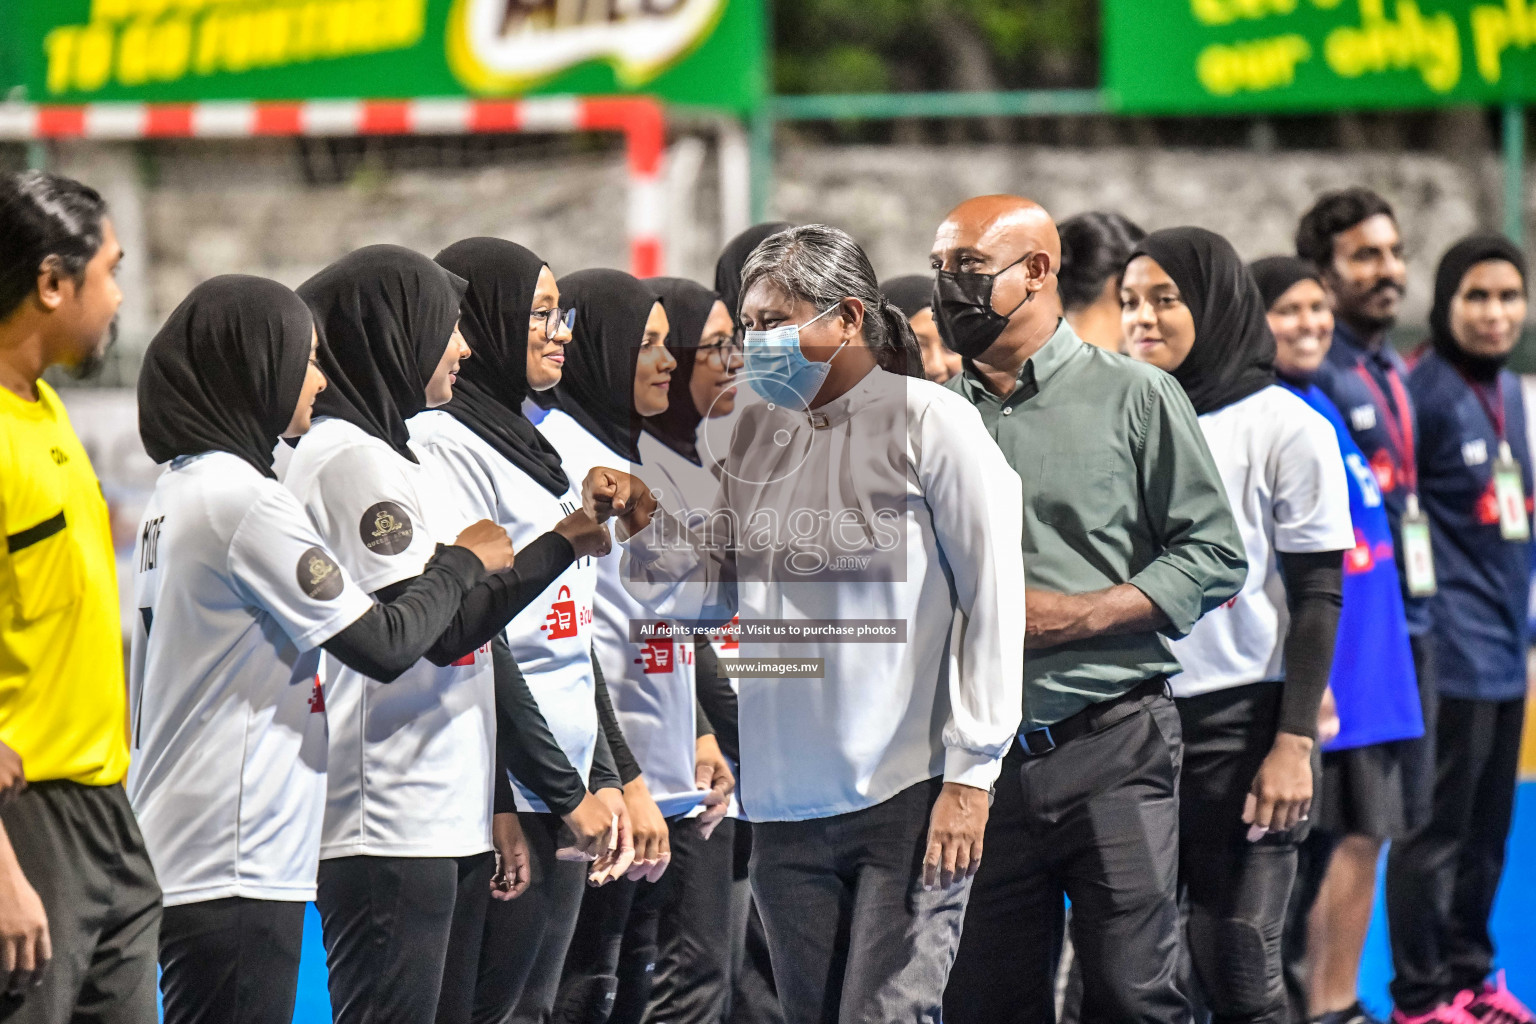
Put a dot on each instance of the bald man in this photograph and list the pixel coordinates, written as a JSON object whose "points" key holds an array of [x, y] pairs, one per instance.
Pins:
{"points": [[1127, 539]]}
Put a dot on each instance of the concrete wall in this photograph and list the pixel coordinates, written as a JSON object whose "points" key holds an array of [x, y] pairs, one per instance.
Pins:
{"points": [[191, 210]]}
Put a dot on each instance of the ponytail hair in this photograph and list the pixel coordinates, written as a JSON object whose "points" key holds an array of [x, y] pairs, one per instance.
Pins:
{"points": [[822, 265]]}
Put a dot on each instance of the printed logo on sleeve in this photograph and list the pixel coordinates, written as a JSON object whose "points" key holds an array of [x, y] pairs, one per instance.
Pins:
{"points": [[319, 576], [1362, 417], [386, 528]]}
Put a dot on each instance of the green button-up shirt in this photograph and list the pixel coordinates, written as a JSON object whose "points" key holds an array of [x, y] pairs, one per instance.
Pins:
{"points": [[1119, 487]]}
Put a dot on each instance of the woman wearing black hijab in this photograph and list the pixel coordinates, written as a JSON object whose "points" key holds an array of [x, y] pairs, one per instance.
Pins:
{"points": [[412, 767], [237, 593], [497, 464], [913, 295], [1475, 472], [1252, 681]]}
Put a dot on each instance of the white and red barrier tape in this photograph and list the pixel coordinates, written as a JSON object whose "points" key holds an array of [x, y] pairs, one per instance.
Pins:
{"points": [[640, 119]]}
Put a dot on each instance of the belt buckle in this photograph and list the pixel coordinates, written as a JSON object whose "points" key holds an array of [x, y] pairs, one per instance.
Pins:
{"points": [[1038, 741]]}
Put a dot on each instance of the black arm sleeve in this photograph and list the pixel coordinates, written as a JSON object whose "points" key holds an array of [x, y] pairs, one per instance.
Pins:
{"points": [[623, 760], [502, 801], [1314, 593], [523, 739], [717, 699], [603, 775], [398, 631], [486, 609]]}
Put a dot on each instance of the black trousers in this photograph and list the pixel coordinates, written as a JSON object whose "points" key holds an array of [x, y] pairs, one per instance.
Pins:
{"points": [[391, 924], [525, 940], [231, 961], [753, 998], [1096, 819], [1236, 892], [656, 951], [1442, 878], [80, 848]]}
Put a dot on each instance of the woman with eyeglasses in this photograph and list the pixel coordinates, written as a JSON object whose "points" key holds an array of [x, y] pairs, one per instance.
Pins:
{"points": [[497, 465]]}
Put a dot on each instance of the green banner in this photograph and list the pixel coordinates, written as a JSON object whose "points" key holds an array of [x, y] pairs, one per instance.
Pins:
{"points": [[707, 52], [1212, 56]]}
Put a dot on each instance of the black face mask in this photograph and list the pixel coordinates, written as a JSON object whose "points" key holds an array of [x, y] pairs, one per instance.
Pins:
{"points": [[962, 309]]}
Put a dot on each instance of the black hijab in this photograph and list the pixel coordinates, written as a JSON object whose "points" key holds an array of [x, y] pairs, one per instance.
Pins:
{"points": [[1234, 353], [688, 305], [1459, 259], [488, 397], [597, 389], [910, 293], [385, 315], [1276, 275], [226, 371], [733, 259]]}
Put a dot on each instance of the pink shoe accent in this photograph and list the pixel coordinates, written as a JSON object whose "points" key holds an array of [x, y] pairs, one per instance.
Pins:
{"points": [[1454, 1012], [1496, 1004]]}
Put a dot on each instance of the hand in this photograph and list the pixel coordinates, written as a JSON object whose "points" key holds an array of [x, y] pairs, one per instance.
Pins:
{"points": [[653, 843], [711, 771], [13, 780], [1051, 619], [607, 493], [1328, 718], [490, 544], [1281, 794], [594, 827], [611, 866], [588, 537], [955, 829], [25, 948], [513, 873]]}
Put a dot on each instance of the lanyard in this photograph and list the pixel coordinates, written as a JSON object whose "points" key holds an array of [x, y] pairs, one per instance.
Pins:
{"points": [[1494, 409], [1397, 421]]}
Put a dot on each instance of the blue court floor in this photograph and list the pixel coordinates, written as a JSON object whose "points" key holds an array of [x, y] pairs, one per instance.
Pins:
{"points": [[1514, 925]]}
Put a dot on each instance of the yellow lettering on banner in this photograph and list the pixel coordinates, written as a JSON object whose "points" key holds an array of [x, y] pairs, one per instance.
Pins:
{"points": [[1496, 29], [1224, 12], [1431, 46], [93, 58], [59, 50], [1251, 66], [133, 53]]}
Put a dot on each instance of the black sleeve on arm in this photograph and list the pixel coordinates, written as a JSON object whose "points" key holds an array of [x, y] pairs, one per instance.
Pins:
{"points": [[603, 775], [1314, 593], [523, 739], [399, 630], [502, 801], [623, 760], [486, 609], [717, 699]]}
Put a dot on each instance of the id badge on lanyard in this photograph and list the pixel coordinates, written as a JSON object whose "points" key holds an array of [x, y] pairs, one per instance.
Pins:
{"points": [[1509, 491], [1418, 552]]}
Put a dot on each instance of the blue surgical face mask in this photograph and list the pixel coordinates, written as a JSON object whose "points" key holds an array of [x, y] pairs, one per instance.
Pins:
{"points": [[779, 371]]}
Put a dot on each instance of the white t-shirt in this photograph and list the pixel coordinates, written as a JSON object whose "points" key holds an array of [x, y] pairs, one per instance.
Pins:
{"points": [[893, 503], [412, 761], [551, 639], [1279, 461], [234, 592], [651, 683]]}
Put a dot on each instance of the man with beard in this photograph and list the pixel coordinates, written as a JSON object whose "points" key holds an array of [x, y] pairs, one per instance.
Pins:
{"points": [[1352, 237], [79, 905]]}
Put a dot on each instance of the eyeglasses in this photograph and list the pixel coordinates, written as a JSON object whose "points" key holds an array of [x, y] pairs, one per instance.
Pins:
{"points": [[722, 354], [553, 318]]}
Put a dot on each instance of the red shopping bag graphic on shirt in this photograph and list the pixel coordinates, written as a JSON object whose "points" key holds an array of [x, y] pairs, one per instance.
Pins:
{"points": [[727, 635], [317, 699], [469, 659], [658, 656], [560, 623]]}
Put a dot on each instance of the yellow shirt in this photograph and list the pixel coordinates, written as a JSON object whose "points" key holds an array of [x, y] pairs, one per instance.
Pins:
{"points": [[63, 704]]}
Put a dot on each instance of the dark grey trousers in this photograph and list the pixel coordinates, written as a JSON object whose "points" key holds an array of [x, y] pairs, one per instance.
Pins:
{"points": [[853, 936], [80, 848]]}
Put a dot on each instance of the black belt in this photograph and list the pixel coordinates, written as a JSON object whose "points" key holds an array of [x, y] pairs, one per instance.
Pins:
{"points": [[1093, 718]]}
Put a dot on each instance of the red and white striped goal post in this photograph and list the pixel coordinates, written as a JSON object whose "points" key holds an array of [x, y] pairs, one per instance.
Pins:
{"points": [[640, 119]]}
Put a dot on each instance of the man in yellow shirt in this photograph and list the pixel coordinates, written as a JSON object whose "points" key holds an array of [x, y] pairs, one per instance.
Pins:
{"points": [[79, 907]]}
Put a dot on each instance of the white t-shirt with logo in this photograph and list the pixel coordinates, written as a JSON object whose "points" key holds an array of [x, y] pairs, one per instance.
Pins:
{"points": [[1279, 461], [234, 593], [412, 761], [651, 682], [551, 639]]}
